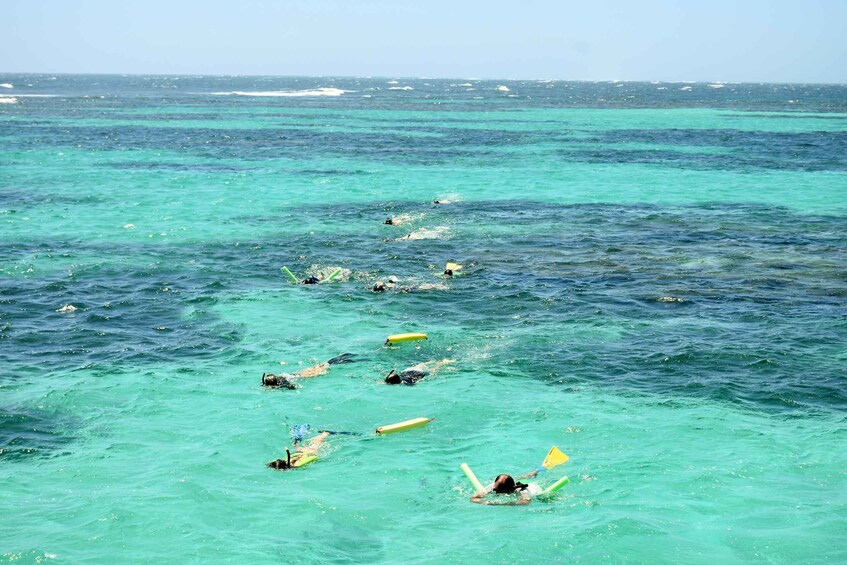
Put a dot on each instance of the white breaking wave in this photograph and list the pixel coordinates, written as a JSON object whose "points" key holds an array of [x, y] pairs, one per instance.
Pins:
{"points": [[502, 88], [286, 93], [400, 88], [465, 84], [426, 233], [717, 85], [686, 88], [393, 82], [8, 100], [6, 85]]}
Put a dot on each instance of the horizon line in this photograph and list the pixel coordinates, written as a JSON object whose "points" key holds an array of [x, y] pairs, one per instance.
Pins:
{"points": [[408, 77]]}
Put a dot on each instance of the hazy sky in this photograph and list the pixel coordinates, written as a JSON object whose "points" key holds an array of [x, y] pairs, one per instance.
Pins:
{"points": [[709, 40]]}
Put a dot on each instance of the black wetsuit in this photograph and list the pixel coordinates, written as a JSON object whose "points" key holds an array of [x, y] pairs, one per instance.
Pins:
{"points": [[409, 377]]}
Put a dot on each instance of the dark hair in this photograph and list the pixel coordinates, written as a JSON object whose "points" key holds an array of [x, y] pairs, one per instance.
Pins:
{"points": [[392, 378], [505, 484], [282, 464], [448, 272], [389, 221]]}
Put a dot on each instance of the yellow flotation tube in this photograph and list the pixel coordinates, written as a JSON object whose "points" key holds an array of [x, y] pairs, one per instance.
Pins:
{"points": [[304, 460], [399, 338], [403, 426]]}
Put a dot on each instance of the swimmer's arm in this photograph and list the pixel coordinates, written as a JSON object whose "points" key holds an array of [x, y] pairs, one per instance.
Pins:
{"points": [[529, 475], [515, 502]]}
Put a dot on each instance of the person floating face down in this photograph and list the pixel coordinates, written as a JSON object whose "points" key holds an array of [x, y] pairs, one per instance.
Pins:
{"points": [[288, 380], [522, 493], [415, 373], [291, 461]]}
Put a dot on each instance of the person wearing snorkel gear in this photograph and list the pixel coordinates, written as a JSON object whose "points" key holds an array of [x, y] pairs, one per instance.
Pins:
{"points": [[505, 484], [312, 280], [415, 373], [381, 286], [284, 380], [290, 461]]}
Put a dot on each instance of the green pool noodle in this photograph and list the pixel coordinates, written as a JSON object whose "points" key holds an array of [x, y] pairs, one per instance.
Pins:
{"points": [[556, 486], [333, 275], [471, 477], [290, 275]]}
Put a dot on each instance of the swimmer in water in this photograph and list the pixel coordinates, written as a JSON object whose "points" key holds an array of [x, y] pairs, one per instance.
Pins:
{"points": [[312, 280], [415, 373], [388, 284], [505, 484], [290, 461], [441, 202], [284, 380]]}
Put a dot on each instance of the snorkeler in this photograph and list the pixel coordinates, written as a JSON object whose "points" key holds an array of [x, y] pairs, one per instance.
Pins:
{"points": [[291, 461], [391, 284], [284, 380], [382, 286], [415, 373], [311, 280], [505, 484]]}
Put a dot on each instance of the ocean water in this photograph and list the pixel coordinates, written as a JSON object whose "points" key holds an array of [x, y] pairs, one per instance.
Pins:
{"points": [[655, 281]]}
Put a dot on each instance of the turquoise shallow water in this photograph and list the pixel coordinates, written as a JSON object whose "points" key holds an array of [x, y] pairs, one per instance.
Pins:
{"points": [[705, 429]]}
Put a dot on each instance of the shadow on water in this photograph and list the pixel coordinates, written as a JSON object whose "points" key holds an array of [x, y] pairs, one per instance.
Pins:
{"points": [[30, 434]]}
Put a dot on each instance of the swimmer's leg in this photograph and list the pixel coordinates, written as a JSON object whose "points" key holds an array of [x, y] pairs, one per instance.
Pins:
{"points": [[344, 358]]}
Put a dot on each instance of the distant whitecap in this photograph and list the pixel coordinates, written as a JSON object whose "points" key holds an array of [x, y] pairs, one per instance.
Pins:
{"points": [[686, 88], [400, 88], [285, 93], [6, 85], [717, 85], [502, 88], [8, 100]]}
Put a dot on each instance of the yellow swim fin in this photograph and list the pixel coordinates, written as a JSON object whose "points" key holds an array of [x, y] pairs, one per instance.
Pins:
{"points": [[554, 457]]}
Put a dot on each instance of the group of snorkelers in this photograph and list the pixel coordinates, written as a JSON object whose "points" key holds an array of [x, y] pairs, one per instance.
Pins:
{"points": [[307, 451]]}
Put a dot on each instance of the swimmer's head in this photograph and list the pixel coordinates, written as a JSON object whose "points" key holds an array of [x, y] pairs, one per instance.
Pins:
{"points": [[505, 484], [379, 286], [389, 222], [276, 381], [448, 272], [392, 378], [279, 465], [282, 464]]}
